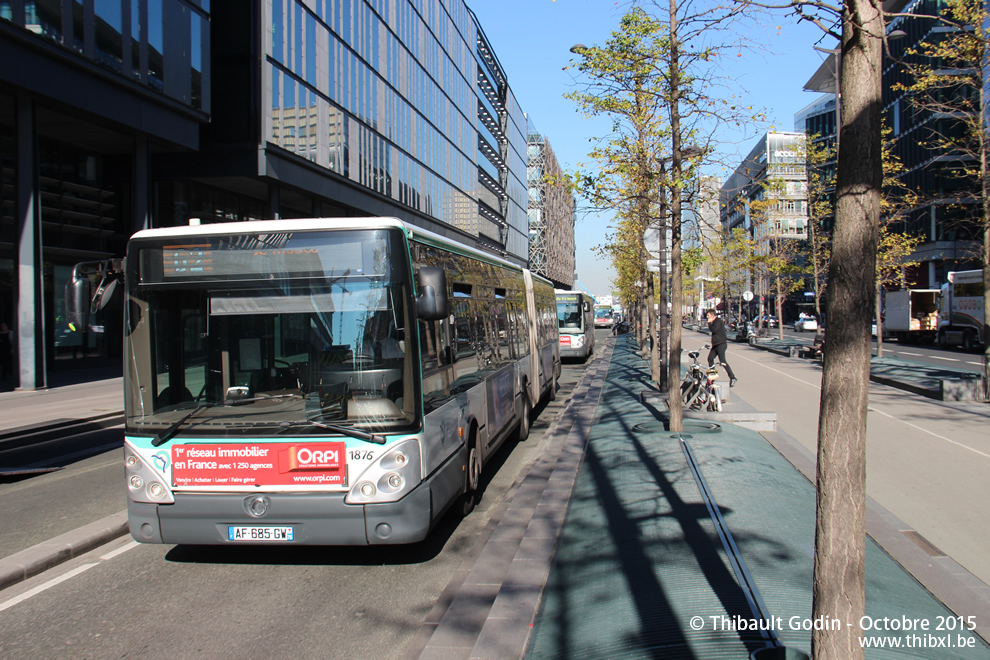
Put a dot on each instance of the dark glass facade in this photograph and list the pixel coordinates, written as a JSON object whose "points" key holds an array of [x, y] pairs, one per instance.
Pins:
{"points": [[99, 88], [138, 115], [947, 218], [405, 100]]}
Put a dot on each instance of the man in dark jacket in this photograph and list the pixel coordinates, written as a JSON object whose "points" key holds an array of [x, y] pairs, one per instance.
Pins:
{"points": [[719, 342]]}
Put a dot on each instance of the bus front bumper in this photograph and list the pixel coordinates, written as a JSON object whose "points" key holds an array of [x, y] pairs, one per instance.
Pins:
{"points": [[315, 519]]}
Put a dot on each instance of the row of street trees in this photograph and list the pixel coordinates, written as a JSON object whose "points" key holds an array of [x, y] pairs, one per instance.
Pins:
{"points": [[656, 79]]}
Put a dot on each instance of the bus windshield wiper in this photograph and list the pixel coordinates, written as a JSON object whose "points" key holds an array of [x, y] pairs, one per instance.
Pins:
{"points": [[166, 435], [349, 431]]}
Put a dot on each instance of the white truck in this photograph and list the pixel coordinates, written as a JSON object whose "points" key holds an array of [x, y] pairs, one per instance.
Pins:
{"points": [[911, 315], [961, 316]]}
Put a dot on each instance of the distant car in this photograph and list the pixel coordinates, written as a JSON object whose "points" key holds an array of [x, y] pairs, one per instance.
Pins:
{"points": [[806, 324], [769, 321]]}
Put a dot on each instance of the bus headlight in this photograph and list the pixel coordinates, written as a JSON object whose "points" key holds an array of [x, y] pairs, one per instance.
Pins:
{"points": [[577, 341], [144, 483], [390, 477]]}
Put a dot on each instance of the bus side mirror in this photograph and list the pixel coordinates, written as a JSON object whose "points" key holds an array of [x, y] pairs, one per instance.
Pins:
{"points": [[587, 306], [81, 301], [77, 302], [431, 303]]}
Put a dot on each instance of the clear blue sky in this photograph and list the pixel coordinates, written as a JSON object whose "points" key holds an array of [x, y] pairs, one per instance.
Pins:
{"points": [[532, 39]]}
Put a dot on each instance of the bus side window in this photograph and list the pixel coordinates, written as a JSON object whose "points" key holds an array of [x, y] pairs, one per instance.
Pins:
{"points": [[436, 352]]}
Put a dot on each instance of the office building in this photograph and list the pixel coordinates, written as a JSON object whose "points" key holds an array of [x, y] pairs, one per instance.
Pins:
{"points": [[127, 114], [774, 171], [551, 214], [946, 217], [766, 196]]}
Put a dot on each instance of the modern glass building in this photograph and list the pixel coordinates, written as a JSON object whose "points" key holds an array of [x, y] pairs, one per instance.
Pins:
{"points": [[402, 102], [140, 115], [775, 171], [767, 196], [92, 93], [946, 216], [949, 216]]}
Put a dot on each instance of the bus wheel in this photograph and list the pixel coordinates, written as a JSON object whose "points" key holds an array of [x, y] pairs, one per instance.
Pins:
{"points": [[553, 389], [470, 497], [524, 421]]}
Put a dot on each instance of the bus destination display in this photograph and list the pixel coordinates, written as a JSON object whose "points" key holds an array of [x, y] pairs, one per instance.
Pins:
{"points": [[186, 261]]}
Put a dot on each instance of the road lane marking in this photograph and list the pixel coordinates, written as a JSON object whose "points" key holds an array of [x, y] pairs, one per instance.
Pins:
{"points": [[47, 585], [934, 435], [119, 551], [65, 576], [939, 357], [906, 353]]}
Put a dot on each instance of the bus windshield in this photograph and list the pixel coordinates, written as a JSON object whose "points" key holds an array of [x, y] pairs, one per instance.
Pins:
{"points": [[570, 317], [259, 341]]}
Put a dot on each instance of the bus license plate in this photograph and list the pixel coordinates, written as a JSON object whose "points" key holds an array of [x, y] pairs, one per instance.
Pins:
{"points": [[259, 533]]}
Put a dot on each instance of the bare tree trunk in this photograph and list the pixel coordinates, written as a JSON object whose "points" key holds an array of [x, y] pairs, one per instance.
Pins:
{"points": [[840, 533], [664, 303], [779, 309], [643, 326], [655, 344], [878, 304], [674, 355], [986, 253]]}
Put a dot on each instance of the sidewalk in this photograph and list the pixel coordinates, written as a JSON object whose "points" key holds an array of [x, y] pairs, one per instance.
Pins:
{"points": [[638, 569], [639, 557], [75, 402]]}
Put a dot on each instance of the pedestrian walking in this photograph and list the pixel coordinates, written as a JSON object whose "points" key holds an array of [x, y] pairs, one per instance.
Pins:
{"points": [[719, 342], [6, 352]]}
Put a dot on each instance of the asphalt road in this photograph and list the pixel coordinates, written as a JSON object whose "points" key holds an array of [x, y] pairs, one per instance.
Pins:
{"points": [[41, 507], [161, 601], [952, 358]]}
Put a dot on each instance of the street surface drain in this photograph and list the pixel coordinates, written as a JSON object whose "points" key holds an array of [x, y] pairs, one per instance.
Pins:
{"points": [[690, 426], [923, 543]]}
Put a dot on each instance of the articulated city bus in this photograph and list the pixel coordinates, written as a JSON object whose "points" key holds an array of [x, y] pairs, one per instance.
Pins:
{"points": [[576, 324], [330, 381]]}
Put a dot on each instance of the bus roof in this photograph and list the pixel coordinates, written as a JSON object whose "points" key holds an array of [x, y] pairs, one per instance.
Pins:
{"points": [[317, 224], [263, 226]]}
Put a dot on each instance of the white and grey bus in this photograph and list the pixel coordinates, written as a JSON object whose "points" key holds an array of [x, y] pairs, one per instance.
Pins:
{"points": [[323, 381], [576, 324]]}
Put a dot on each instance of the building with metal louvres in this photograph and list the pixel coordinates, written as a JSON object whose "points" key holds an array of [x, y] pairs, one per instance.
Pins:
{"points": [[551, 214]]}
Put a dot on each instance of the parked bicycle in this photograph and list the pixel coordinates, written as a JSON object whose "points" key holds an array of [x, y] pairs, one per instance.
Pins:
{"points": [[699, 391]]}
